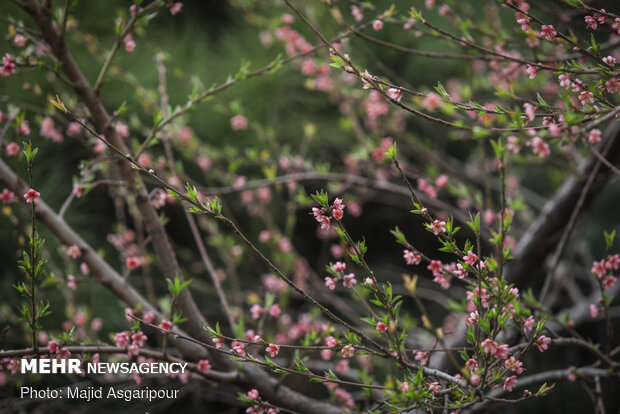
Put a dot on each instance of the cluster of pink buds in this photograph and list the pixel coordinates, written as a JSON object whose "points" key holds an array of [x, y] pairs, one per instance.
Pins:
{"points": [[348, 280], [322, 215], [602, 267], [8, 66]]}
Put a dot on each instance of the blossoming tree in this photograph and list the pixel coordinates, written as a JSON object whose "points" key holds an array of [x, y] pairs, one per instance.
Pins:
{"points": [[497, 170]]}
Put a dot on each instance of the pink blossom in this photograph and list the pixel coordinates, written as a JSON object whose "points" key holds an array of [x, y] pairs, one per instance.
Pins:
{"points": [[219, 342], [404, 386], [74, 252], [48, 131], [514, 365], [473, 318], [591, 21], [139, 338], [540, 147], [165, 325], [594, 136], [377, 25], [24, 128], [410, 23], [474, 380], [122, 338], [565, 81], [472, 364], [133, 350], [175, 8], [32, 196], [204, 366], [444, 10], [239, 123], [344, 398], [501, 352], [435, 266], [348, 351], [239, 348], [71, 282], [330, 283], [571, 374], [129, 43], [442, 181], [599, 269], [338, 209], [52, 347], [274, 310], [264, 236], [411, 258], [442, 280], [287, 18], [586, 97], [471, 258], [489, 346], [133, 263], [14, 365], [8, 66], [253, 394], [73, 129], [331, 342], [6, 196], [357, 13], [433, 387], [610, 60], [528, 325], [349, 280], [422, 357], [339, 267], [12, 149], [80, 318], [525, 24], [530, 111], [96, 324], [381, 327], [542, 342], [548, 32], [63, 353], [273, 350], [19, 40], [395, 94], [438, 227], [594, 310], [510, 382], [431, 101], [609, 282], [613, 262], [148, 317], [612, 85], [532, 71], [460, 271], [256, 311], [204, 162]]}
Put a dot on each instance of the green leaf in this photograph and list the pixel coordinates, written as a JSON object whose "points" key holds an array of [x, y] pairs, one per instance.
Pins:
{"points": [[321, 198], [400, 237], [442, 91], [609, 238], [541, 100], [596, 48]]}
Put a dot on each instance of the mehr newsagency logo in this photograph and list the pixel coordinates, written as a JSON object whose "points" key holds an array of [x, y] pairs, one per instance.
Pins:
{"points": [[75, 366]]}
